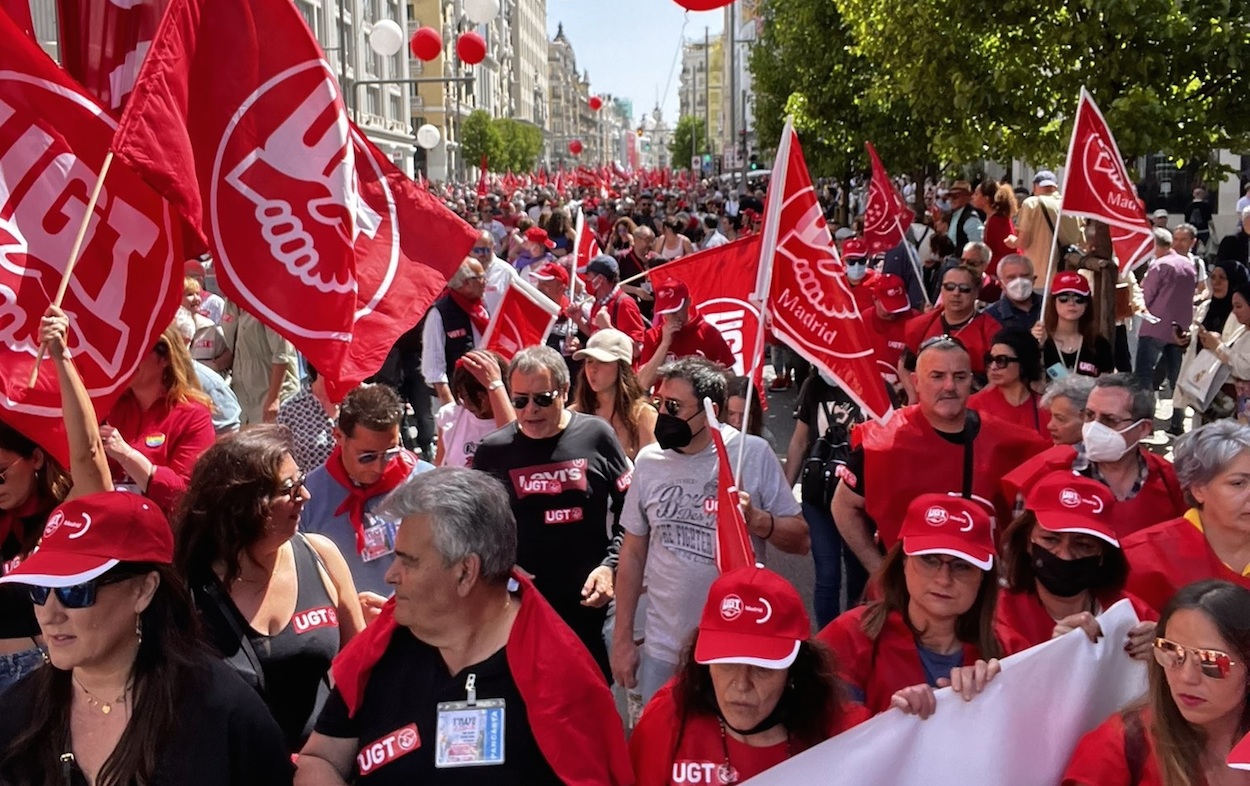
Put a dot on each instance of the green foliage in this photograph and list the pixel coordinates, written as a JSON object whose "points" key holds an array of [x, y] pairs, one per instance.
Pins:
{"points": [[689, 139], [480, 137], [521, 145]]}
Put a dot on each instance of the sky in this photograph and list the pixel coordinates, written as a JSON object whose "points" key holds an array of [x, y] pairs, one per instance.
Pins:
{"points": [[630, 47]]}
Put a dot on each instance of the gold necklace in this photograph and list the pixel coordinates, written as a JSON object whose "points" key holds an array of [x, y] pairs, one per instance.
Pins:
{"points": [[105, 706]]}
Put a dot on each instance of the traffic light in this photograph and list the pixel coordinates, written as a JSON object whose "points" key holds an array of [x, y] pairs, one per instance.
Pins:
{"points": [[755, 162]]}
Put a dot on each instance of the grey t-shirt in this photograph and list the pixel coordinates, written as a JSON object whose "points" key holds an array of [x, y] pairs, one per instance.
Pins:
{"points": [[672, 503]]}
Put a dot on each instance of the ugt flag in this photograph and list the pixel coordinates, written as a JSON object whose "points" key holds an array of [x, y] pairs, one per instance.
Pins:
{"points": [[733, 540], [887, 216], [523, 319]]}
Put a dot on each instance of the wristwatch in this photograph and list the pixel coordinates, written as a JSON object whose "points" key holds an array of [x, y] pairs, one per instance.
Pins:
{"points": [[494, 385]]}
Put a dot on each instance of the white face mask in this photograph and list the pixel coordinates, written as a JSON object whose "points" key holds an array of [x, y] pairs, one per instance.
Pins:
{"points": [[856, 271], [1019, 289], [1103, 443]]}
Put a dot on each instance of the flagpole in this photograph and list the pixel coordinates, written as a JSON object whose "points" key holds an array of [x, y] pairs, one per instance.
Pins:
{"points": [[1067, 169], [73, 256], [764, 278], [915, 262], [1054, 242]]}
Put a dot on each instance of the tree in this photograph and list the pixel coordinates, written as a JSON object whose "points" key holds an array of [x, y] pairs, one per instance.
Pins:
{"points": [[521, 143], [479, 137], [689, 139]]}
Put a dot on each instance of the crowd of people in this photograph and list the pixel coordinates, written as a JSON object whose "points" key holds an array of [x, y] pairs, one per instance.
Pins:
{"points": [[474, 569]]}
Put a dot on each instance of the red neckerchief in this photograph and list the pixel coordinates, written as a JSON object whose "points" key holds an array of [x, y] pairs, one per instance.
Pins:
{"points": [[476, 310], [396, 472]]}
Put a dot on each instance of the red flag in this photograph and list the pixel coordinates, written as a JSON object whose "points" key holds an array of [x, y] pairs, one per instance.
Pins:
{"points": [[887, 216], [19, 12], [585, 247], [1097, 185], [810, 305], [313, 230], [733, 541], [128, 280], [103, 43], [483, 180], [523, 319]]}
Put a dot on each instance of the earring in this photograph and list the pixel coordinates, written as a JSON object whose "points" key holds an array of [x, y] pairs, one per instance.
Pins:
{"points": [[139, 628]]}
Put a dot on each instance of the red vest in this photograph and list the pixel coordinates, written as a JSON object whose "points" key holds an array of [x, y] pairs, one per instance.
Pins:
{"points": [[1023, 614], [905, 457], [1167, 556], [889, 339], [1100, 759], [1030, 415], [977, 336], [1160, 497]]}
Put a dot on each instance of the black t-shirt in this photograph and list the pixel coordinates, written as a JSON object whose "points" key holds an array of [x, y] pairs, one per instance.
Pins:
{"points": [[841, 407], [17, 613], [1088, 361], [855, 464], [404, 690], [224, 735]]}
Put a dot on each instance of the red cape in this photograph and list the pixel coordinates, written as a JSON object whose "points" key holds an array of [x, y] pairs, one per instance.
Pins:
{"points": [[570, 709]]}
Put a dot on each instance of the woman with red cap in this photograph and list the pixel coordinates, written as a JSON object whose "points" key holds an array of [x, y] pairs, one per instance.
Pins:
{"points": [[1195, 709], [753, 690], [1064, 566], [934, 624], [1067, 333]]}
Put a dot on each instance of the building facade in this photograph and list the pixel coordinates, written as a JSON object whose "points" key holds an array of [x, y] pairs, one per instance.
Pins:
{"points": [[569, 115], [702, 89], [527, 78]]}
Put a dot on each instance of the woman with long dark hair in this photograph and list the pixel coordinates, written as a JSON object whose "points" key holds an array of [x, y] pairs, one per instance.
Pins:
{"points": [[1196, 707], [1013, 366], [753, 689], [1067, 332], [607, 387]]}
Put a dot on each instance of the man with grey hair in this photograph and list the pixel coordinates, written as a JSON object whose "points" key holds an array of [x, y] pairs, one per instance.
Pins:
{"points": [[977, 255], [565, 472], [454, 325], [467, 665], [1168, 292], [1184, 238], [1019, 308], [1210, 541], [499, 274]]}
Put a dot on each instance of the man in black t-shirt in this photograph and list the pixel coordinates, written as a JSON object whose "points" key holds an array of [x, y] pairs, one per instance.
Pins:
{"points": [[565, 472]]}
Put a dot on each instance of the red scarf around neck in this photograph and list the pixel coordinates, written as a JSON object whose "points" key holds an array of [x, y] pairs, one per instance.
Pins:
{"points": [[396, 472], [476, 309]]}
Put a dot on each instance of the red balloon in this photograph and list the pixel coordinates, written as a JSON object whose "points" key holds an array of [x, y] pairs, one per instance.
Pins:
{"points": [[703, 5], [471, 47], [596, 103], [426, 44], [575, 147]]}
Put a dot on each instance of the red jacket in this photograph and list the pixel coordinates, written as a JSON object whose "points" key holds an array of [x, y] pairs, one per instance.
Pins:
{"points": [[882, 667], [624, 315], [1160, 498], [977, 336], [1030, 415], [698, 337], [1023, 614], [889, 339], [905, 457], [172, 438], [1167, 556], [1100, 758], [661, 759], [570, 710]]}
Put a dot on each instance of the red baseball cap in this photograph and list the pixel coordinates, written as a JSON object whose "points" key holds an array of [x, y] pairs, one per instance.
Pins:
{"points": [[552, 271], [86, 537], [891, 292], [671, 296], [854, 247], [752, 616], [539, 235], [1064, 501], [949, 524], [1069, 281]]}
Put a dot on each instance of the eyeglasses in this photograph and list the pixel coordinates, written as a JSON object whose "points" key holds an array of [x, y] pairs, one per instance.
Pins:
{"points": [[670, 405], [943, 341], [79, 596], [1000, 361], [1109, 421], [1213, 663], [370, 456], [544, 400], [292, 490], [4, 472], [931, 565], [1072, 297], [963, 289], [481, 251]]}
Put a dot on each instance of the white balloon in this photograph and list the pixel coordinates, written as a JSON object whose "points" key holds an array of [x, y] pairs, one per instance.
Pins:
{"points": [[386, 38], [428, 136], [480, 12]]}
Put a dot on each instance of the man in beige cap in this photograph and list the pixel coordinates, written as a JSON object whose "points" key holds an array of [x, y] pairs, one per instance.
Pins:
{"points": [[967, 223]]}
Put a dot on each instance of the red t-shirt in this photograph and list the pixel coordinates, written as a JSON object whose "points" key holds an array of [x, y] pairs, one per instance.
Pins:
{"points": [[997, 229], [1100, 759], [1023, 614], [623, 311], [698, 337], [889, 338], [1029, 415], [660, 759], [172, 438], [1167, 556]]}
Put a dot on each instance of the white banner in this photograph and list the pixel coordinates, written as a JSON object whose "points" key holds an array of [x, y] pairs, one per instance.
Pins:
{"points": [[1021, 730]]}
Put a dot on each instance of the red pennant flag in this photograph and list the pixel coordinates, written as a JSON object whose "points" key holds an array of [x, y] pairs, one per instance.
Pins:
{"points": [[523, 319], [1097, 185], [128, 280], [733, 541], [887, 216], [810, 305], [103, 43], [585, 246], [313, 230], [19, 12]]}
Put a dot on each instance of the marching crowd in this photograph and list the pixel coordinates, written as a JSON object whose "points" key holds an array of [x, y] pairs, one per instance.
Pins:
{"points": [[478, 570]]}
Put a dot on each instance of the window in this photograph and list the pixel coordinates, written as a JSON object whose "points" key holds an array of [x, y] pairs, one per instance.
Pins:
{"points": [[396, 107], [372, 104]]}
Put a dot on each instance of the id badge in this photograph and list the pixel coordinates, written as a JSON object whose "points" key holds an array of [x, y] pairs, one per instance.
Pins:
{"points": [[379, 538], [470, 734]]}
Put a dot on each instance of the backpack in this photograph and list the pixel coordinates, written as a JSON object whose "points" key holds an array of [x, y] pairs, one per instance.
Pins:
{"points": [[819, 476]]}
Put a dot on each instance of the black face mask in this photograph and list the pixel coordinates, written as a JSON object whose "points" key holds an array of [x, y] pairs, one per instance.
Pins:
{"points": [[672, 432], [1065, 578]]}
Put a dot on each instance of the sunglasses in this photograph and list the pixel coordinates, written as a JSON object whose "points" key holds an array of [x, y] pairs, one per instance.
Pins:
{"points": [[670, 405], [79, 596], [292, 490], [963, 289], [4, 472], [544, 400], [1000, 361], [1070, 297], [1213, 663], [940, 341], [370, 456], [481, 251]]}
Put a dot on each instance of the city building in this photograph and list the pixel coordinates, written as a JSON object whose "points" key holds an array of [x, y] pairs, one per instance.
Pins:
{"points": [[569, 118], [738, 102], [702, 90], [528, 74]]}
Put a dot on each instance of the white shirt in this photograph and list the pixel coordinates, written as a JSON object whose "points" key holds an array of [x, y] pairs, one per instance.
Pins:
{"points": [[459, 432], [715, 240], [212, 306]]}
